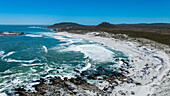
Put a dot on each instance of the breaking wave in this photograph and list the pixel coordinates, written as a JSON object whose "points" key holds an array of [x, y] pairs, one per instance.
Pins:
{"points": [[31, 35], [48, 56]]}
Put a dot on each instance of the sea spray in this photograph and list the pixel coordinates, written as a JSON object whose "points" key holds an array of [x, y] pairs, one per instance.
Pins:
{"points": [[65, 54], [8, 54], [45, 49], [85, 68]]}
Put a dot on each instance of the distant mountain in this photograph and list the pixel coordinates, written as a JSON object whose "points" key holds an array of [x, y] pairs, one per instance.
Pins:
{"points": [[74, 26], [105, 25], [159, 32], [68, 26], [71, 25]]}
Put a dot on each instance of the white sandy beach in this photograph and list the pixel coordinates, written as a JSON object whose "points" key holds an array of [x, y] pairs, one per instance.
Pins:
{"points": [[151, 67]]}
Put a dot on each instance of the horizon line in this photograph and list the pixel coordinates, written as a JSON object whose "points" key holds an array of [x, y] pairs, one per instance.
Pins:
{"points": [[80, 23]]}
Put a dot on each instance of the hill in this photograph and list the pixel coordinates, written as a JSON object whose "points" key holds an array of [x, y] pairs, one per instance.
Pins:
{"points": [[106, 25], [159, 32], [68, 26]]}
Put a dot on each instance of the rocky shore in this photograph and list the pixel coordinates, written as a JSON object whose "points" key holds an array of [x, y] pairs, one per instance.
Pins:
{"points": [[150, 66], [143, 74], [15, 33], [105, 81]]}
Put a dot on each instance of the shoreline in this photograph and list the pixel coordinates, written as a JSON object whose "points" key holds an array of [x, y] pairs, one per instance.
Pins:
{"points": [[147, 74], [146, 71], [150, 64]]}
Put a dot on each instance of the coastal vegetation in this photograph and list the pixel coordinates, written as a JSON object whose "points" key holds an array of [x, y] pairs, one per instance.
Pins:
{"points": [[115, 75], [159, 32]]}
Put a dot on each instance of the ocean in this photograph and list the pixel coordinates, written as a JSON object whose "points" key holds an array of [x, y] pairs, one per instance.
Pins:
{"points": [[27, 58]]}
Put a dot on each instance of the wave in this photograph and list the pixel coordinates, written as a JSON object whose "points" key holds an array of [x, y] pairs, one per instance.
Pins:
{"points": [[67, 39], [87, 67], [95, 52], [35, 27], [13, 60], [31, 35], [3, 94], [10, 53], [30, 88], [45, 49], [32, 64], [25, 61], [1, 53]]}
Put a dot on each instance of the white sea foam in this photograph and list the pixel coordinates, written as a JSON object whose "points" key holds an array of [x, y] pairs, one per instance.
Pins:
{"points": [[95, 52], [3, 94], [10, 53], [32, 64], [16, 81], [49, 69], [31, 35], [25, 61], [30, 88], [35, 27], [59, 37], [150, 66], [45, 49], [8, 71], [33, 70], [87, 67], [1, 53], [32, 27], [68, 41]]}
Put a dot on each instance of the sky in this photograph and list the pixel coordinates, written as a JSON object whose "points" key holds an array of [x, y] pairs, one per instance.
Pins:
{"points": [[88, 12]]}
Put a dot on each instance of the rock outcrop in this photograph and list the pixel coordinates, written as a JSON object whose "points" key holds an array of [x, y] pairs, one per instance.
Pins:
{"points": [[15, 33]]}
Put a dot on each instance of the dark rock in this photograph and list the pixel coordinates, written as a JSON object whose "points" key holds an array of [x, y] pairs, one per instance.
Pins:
{"points": [[16, 33], [127, 71], [74, 93], [116, 59], [20, 89], [76, 70], [123, 60], [91, 77], [65, 78], [105, 89], [133, 93], [137, 83], [127, 60], [72, 80]]}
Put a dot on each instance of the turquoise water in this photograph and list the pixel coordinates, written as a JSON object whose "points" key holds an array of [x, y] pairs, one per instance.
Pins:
{"points": [[26, 58], [22, 28]]}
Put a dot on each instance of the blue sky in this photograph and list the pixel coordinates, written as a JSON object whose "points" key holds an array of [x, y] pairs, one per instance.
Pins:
{"points": [[89, 12]]}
